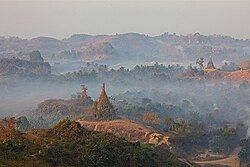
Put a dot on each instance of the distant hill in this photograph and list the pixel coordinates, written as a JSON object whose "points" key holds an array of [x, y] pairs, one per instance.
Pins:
{"points": [[130, 48], [16, 66]]}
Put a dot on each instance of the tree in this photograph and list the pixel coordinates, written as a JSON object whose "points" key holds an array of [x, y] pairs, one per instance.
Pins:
{"points": [[244, 153], [22, 124], [35, 56], [7, 129], [179, 126], [244, 85], [241, 130], [146, 101], [228, 67], [182, 127], [151, 118], [200, 62], [170, 123], [224, 139]]}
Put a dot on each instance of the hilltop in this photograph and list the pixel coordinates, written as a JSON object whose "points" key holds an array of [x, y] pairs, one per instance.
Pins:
{"points": [[127, 129]]}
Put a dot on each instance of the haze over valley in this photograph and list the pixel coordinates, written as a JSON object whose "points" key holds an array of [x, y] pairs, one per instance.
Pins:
{"points": [[123, 96]]}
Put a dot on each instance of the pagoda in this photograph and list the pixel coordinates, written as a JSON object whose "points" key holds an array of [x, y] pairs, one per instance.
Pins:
{"points": [[210, 64], [84, 94], [103, 98], [103, 107], [84, 98]]}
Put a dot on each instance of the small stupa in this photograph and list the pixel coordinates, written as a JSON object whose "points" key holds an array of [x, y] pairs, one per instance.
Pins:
{"points": [[210, 64], [84, 98], [84, 94]]}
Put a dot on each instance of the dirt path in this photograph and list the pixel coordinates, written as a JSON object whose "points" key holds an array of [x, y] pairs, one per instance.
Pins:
{"points": [[233, 160]]}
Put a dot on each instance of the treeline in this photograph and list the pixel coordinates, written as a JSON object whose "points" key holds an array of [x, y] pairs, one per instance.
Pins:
{"points": [[244, 154], [95, 72]]}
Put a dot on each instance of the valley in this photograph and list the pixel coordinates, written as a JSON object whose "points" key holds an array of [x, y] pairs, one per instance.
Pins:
{"points": [[155, 114]]}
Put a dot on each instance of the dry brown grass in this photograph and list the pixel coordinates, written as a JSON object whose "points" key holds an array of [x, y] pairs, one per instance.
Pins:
{"points": [[129, 130]]}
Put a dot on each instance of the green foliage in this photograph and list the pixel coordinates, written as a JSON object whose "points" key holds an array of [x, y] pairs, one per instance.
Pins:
{"points": [[24, 68], [101, 73], [69, 144], [35, 56], [49, 112], [105, 111], [244, 153], [198, 123], [10, 145], [224, 139], [229, 67]]}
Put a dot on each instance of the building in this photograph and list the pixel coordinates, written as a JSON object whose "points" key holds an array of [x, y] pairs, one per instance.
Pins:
{"points": [[84, 94], [103, 98], [103, 108], [210, 64], [84, 98]]}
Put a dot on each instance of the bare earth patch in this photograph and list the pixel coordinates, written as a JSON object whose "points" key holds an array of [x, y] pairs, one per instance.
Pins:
{"points": [[129, 130]]}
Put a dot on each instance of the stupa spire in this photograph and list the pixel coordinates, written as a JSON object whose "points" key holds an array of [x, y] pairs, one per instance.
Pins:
{"points": [[103, 107], [103, 98], [210, 64], [84, 94]]}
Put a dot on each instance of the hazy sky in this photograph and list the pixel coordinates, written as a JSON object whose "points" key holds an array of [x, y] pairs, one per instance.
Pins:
{"points": [[61, 19]]}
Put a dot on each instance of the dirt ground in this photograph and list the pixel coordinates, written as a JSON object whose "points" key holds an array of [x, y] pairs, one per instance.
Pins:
{"points": [[232, 161]]}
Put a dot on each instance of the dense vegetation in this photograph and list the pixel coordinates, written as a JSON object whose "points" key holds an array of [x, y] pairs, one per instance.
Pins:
{"points": [[51, 111], [69, 144], [101, 73], [197, 124], [244, 154], [201, 115], [204, 116]]}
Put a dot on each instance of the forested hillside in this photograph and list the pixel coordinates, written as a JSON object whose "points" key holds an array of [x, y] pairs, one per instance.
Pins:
{"points": [[129, 49]]}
